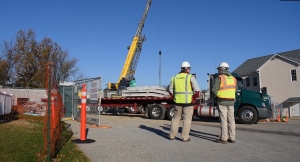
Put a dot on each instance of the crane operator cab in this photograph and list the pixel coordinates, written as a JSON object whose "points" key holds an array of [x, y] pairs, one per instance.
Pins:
{"points": [[122, 85]]}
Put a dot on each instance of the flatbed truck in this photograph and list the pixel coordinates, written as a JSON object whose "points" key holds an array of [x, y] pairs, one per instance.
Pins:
{"points": [[249, 107]]}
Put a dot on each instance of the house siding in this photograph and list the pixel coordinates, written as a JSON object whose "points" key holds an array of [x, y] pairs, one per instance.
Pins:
{"points": [[276, 76]]}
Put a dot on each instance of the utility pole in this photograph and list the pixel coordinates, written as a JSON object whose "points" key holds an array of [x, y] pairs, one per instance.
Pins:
{"points": [[159, 68]]}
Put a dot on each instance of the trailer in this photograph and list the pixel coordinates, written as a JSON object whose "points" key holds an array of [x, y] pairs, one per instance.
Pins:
{"points": [[156, 103], [157, 108], [152, 107], [153, 101]]}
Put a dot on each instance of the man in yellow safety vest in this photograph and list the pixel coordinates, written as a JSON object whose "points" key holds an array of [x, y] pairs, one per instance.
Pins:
{"points": [[224, 89], [184, 89]]}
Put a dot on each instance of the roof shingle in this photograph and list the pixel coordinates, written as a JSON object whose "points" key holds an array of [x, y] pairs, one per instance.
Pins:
{"points": [[251, 65], [293, 99]]}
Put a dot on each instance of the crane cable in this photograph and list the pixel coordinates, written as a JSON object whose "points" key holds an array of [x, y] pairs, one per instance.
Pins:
{"points": [[159, 43], [159, 28]]}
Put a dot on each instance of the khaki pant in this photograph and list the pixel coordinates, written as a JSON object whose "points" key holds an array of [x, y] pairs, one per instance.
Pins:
{"points": [[187, 112], [227, 121]]}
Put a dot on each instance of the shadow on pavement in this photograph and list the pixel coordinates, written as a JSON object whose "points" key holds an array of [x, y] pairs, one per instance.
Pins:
{"points": [[78, 141], [156, 131], [194, 133], [206, 119], [198, 134], [87, 132], [211, 120]]}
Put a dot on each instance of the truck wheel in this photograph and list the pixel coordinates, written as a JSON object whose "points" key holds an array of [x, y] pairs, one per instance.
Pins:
{"points": [[89, 109], [101, 109], [157, 111], [170, 112], [247, 115]]}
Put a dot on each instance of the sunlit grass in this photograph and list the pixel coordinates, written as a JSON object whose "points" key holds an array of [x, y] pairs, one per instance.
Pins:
{"points": [[22, 140]]}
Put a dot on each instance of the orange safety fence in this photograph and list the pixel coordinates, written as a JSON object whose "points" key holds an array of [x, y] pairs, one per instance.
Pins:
{"points": [[56, 114]]}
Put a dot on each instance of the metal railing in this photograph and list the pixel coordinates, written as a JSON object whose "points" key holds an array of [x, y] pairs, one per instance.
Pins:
{"points": [[93, 101], [277, 110]]}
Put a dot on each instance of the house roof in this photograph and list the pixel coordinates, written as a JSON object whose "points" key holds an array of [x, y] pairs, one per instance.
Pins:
{"points": [[251, 65], [293, 99]]}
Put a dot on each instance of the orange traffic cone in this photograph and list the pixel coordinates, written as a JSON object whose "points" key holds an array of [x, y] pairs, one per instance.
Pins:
{"points": [[287, 118], [278, 116]]}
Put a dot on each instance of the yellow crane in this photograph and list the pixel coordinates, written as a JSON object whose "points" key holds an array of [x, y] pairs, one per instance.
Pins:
{"points": [[134, 51]]}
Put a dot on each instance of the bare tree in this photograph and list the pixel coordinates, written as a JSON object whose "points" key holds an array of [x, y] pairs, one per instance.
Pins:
{"points": [[64, 67], [28, 58], [3, 71], [77, 76], [6, 63]]}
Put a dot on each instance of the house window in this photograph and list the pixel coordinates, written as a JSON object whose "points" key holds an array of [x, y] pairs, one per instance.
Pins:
{"points": [[254, 81], [248, 82], [293, 75]]}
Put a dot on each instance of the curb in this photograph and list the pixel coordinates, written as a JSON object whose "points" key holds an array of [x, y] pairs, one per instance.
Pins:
{"points": [[66, 119], [101, 126]]}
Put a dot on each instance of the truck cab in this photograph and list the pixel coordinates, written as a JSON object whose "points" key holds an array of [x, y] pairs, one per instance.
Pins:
{"points": [[249, 106]]}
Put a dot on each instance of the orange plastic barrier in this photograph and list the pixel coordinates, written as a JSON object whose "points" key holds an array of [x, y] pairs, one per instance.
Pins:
{"points": [[287, 118], [278, 116], [83, 113]]}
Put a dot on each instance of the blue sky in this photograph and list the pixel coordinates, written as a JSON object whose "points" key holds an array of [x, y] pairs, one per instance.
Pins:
{"points": [[204, 33]]}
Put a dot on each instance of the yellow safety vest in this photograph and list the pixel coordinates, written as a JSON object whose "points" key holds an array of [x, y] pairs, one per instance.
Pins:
{"points": [[182, 88], [227, 87]]}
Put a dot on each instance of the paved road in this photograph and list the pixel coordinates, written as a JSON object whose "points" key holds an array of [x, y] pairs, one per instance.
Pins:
{"points": [[135, 139]]}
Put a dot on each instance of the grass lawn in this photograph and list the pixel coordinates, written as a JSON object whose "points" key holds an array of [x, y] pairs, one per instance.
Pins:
{"points": [[22, 140]]}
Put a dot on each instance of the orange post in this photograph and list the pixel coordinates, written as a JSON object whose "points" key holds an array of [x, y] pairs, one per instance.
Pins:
{"points": [[83, 113], [278, 116], [286, 117], [52, 111]]}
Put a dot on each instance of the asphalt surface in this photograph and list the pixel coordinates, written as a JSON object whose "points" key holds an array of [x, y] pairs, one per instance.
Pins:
{"points": [[136, 139]]}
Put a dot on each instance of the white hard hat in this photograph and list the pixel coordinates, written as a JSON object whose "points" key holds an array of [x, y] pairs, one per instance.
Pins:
{"points": [[123, 76], [185, 64], [223, 65]]}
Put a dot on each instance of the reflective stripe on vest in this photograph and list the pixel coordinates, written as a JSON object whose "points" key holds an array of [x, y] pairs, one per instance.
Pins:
{"points": [[182, 88], [227, 87]]}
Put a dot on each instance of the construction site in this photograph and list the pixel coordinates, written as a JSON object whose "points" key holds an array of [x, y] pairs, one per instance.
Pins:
{"points": [[155, 102], [125, 121]]}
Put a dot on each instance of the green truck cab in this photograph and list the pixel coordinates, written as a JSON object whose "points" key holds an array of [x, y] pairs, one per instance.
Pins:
{"points": [[249, 106]]}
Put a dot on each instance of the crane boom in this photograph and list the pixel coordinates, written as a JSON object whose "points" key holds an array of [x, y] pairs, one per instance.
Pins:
{"points": [[134, 51], [142, 22]]}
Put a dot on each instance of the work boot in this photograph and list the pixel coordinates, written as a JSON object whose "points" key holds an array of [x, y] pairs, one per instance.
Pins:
{"points": [[171, 138], [186, 140], [231, 141], [221, 141]]}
